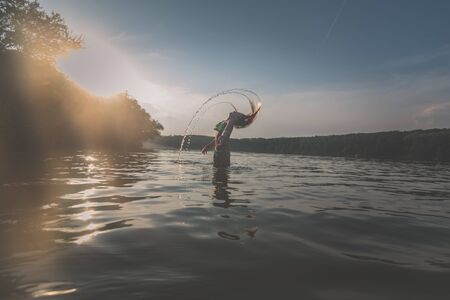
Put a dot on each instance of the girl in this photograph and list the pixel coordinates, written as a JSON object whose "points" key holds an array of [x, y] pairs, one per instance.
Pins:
{"points": [[221, 140]]}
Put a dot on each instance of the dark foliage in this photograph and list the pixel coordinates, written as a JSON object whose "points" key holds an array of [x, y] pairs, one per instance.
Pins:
{"points": [[431, 145], [41, 109], [42, 112], [27, 28]]}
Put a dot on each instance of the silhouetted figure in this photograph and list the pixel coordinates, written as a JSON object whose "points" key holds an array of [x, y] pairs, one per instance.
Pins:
{"points": [[221, 140]]}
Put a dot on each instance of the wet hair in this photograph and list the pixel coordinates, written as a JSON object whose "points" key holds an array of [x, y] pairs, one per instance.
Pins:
{"points": [[246, 120]]}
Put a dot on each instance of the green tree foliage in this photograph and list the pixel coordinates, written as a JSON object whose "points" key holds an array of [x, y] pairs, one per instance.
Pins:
{"points": [[426, 145], [42, 112], [26, 27]]}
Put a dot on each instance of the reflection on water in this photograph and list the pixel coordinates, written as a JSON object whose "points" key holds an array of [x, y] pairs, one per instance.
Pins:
{"points": [[224, 199], [221, 190], [220, 183], [138, 225], [49, 289]]}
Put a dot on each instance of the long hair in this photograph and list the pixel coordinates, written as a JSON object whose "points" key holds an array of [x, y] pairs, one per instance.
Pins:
{"points": [[247, 120]]}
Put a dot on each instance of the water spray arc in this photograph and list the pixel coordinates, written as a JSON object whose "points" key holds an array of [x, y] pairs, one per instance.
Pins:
{"points": [[245, 93]]}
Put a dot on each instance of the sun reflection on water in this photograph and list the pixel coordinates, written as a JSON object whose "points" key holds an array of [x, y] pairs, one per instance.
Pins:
{"points": [[90, 158], [86, 215], [91, 226], [87, 237], [105, 198], [50, 289], [138, 215], [48, 293]]}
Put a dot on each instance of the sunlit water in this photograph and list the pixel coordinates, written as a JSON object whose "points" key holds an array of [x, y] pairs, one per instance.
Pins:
{"points": [[141, 226]]}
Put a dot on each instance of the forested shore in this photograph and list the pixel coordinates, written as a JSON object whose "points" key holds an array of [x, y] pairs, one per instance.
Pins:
{"points": [[417, 145], [42, 111]]}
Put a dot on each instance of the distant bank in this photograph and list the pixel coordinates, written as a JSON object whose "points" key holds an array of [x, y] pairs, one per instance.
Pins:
{"points": [[419, 145]]}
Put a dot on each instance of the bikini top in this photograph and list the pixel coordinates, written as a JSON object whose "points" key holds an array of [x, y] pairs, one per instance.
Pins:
{"points": [[220, 126]]}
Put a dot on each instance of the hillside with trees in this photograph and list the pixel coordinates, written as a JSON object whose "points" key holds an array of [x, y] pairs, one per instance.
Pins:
{"points": [[42, 111], [417, 145]]}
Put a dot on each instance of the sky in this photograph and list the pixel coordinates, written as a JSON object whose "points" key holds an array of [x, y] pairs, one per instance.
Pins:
{"points": [[320, 67]]}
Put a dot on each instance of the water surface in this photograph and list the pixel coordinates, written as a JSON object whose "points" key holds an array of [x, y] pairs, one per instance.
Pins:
{"points": [[141, 226]]}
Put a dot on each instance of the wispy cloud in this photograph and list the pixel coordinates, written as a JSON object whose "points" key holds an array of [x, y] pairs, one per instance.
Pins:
{"points": [[433, 116], [405, 100], [400, 105], [138, 44], [323, 110], [124, 36], [428, 62], [338, 14]]}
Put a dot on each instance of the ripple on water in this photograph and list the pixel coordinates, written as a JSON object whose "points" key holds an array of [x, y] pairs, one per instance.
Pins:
{"points": [[139, 224]]}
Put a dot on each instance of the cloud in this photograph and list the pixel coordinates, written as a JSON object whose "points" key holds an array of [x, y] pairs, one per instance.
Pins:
{"points": [[151, 55], [404, 102], [105, 70], [127, 37], [431, 61], [138, 43], [330, 29], [434, 116]]}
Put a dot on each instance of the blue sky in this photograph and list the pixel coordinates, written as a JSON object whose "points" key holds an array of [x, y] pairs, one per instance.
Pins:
{"points": [[321, 67]]}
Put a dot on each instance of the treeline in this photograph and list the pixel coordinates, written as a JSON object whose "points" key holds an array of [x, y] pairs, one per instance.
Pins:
{"points": [[424, 145], [42, 111]]}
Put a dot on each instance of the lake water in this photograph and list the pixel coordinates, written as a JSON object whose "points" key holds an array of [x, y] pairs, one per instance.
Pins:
{"points": [[141, 226]]}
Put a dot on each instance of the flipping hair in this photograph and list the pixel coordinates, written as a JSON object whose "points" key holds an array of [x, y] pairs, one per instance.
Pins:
{"points": [[247, 120]]}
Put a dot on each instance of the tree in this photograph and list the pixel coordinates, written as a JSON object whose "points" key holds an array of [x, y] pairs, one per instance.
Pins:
{"points": [[27, 28], [42, 112], [426, 145]]}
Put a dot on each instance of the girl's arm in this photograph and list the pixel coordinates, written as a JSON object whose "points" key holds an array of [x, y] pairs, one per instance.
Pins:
{"points": [[205, 149], [230, 125]]}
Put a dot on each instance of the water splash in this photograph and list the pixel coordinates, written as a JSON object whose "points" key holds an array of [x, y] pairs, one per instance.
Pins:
{"points": [[247, 94]]}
